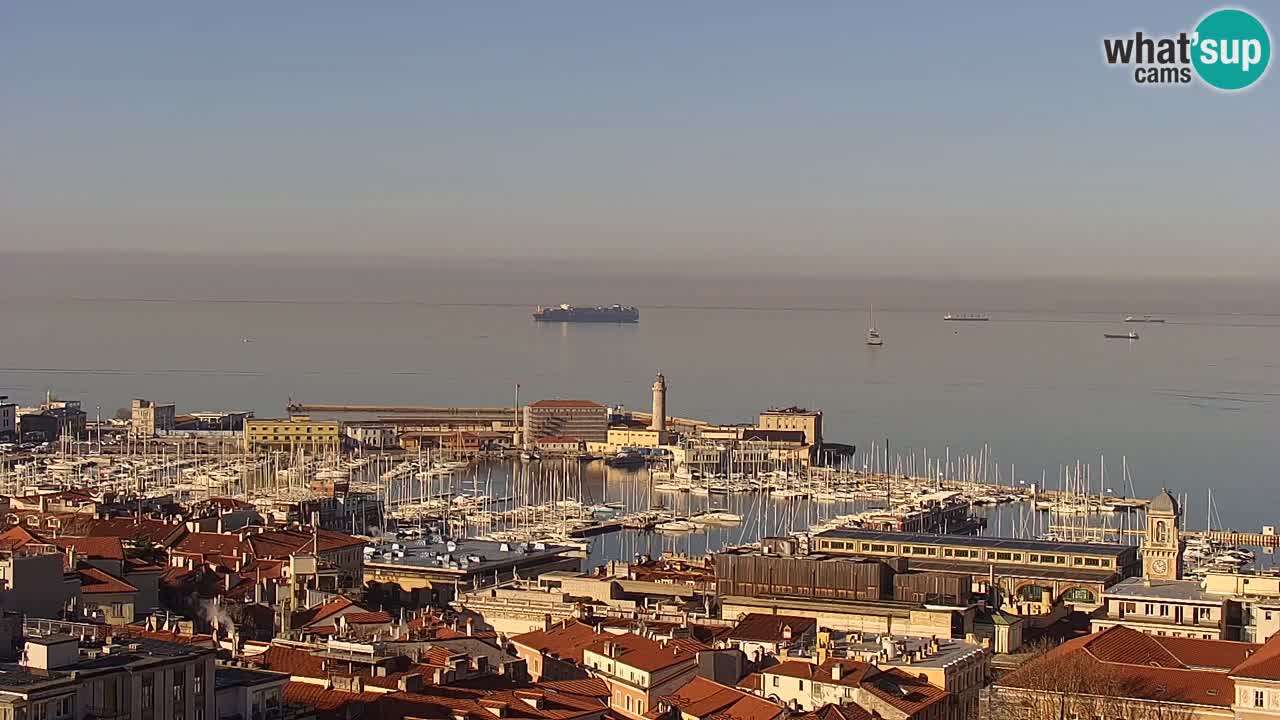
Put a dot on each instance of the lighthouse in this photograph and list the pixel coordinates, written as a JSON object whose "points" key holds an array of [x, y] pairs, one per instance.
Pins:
{"points": [[659, 421]]}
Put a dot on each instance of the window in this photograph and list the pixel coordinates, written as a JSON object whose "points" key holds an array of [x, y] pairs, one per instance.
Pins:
{"points": [[148, 691], [1092, 562], [64, 707], [802, 688], [775, 680], [1164, 611], [1259, 698], [117, 609], [197, 680], [179, 687]]}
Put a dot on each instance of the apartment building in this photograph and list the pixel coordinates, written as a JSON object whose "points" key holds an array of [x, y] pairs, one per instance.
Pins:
{"points": [[132, 677], [638, 671], [148, 419]]}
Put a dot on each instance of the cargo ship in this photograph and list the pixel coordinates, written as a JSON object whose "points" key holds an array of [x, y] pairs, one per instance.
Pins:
{"points": [[965, 317], [598, 314], [1143, 319], [1121, 336]]}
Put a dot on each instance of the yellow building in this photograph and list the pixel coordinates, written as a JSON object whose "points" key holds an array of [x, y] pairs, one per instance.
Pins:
{"points": [[298, 431], [794, 418], [623, 437]]}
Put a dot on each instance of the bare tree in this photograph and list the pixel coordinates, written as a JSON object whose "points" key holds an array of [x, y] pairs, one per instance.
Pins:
{"points": [[1076, 685]]}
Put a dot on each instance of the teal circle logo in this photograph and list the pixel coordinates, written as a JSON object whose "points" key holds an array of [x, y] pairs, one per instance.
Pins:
{"points": [[1231, 49]]}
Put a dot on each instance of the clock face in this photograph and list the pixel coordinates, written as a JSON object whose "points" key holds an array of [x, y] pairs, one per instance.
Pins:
{"points": [[1160, 565]]}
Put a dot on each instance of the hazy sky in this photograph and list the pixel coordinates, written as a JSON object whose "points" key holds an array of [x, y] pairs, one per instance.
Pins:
{"points": [[814, 134]]}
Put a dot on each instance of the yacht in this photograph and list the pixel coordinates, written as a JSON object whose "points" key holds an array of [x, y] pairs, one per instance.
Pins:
{"points": [[873, 335], [1143, 319], [1121, 336]]}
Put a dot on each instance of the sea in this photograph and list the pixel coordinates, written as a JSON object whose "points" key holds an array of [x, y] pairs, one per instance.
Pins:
{"points": [[1192, 405]]}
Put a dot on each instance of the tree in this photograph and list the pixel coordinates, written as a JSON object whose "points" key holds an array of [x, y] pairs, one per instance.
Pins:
{"points": [[123, 414], [1067, 685]]}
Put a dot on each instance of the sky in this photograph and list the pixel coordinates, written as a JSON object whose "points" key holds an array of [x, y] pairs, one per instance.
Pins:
{"points": [[762, 136]]}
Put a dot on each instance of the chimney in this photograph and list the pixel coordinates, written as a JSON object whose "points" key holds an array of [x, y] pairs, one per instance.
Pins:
{"points": [[836, 671], [470, 627], [410, 683]]}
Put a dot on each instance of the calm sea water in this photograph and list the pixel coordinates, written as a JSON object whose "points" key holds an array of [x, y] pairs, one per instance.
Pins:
{"points": [[1194, 404]]}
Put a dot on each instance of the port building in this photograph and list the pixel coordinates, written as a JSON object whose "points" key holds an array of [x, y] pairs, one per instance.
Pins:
{"points": [[292, 433], [585, 420], [794, 418], [1024, 571], [148, 419]]}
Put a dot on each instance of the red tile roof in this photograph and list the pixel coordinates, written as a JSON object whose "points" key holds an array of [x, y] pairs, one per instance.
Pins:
{"points": [[557, 440], [1218, 654], [296, 662], [1264, 664], [1134, 665], [641, 653], [19, 536], [106, 548], [703, 698], [315, 614], [763, 627], [564, 642], [95, 581], [206, 544], [908, 693], [838, 712], [316, 696], [367, 618], [590, 687], [283, 543], [127, 529]]}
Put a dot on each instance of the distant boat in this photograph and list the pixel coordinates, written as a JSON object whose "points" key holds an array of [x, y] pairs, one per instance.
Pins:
{"points": [[873, 335], [1121, 336], [598, 314], [1143, 319], [965, 317]]}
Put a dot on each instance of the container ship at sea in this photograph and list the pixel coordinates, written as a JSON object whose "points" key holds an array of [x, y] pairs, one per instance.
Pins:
{"points": [[598, 314]]}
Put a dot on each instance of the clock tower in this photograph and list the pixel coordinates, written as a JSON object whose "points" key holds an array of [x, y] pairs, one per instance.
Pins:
{"points": [[1162, 547]]}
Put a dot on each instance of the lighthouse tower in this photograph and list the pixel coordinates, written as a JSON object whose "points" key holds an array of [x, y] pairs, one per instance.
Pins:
{"points": [[659, 421]]}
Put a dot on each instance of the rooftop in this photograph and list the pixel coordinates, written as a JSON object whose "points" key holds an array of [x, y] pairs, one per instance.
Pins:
{"points": [[703, 698], [566, 404], [990, 543], [1123, 662], [766, 627], [464, 556], [640, 652], [228, 676], [1142, 589]]}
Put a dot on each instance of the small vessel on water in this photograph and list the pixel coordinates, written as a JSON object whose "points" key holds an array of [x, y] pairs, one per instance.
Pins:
{"points": [[1121, 336], [597, 314], [625, 459], [873, 335], [1143, 319], [965, 317]]}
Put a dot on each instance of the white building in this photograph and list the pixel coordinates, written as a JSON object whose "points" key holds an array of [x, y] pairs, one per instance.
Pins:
{"points": [[8, 421]]}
